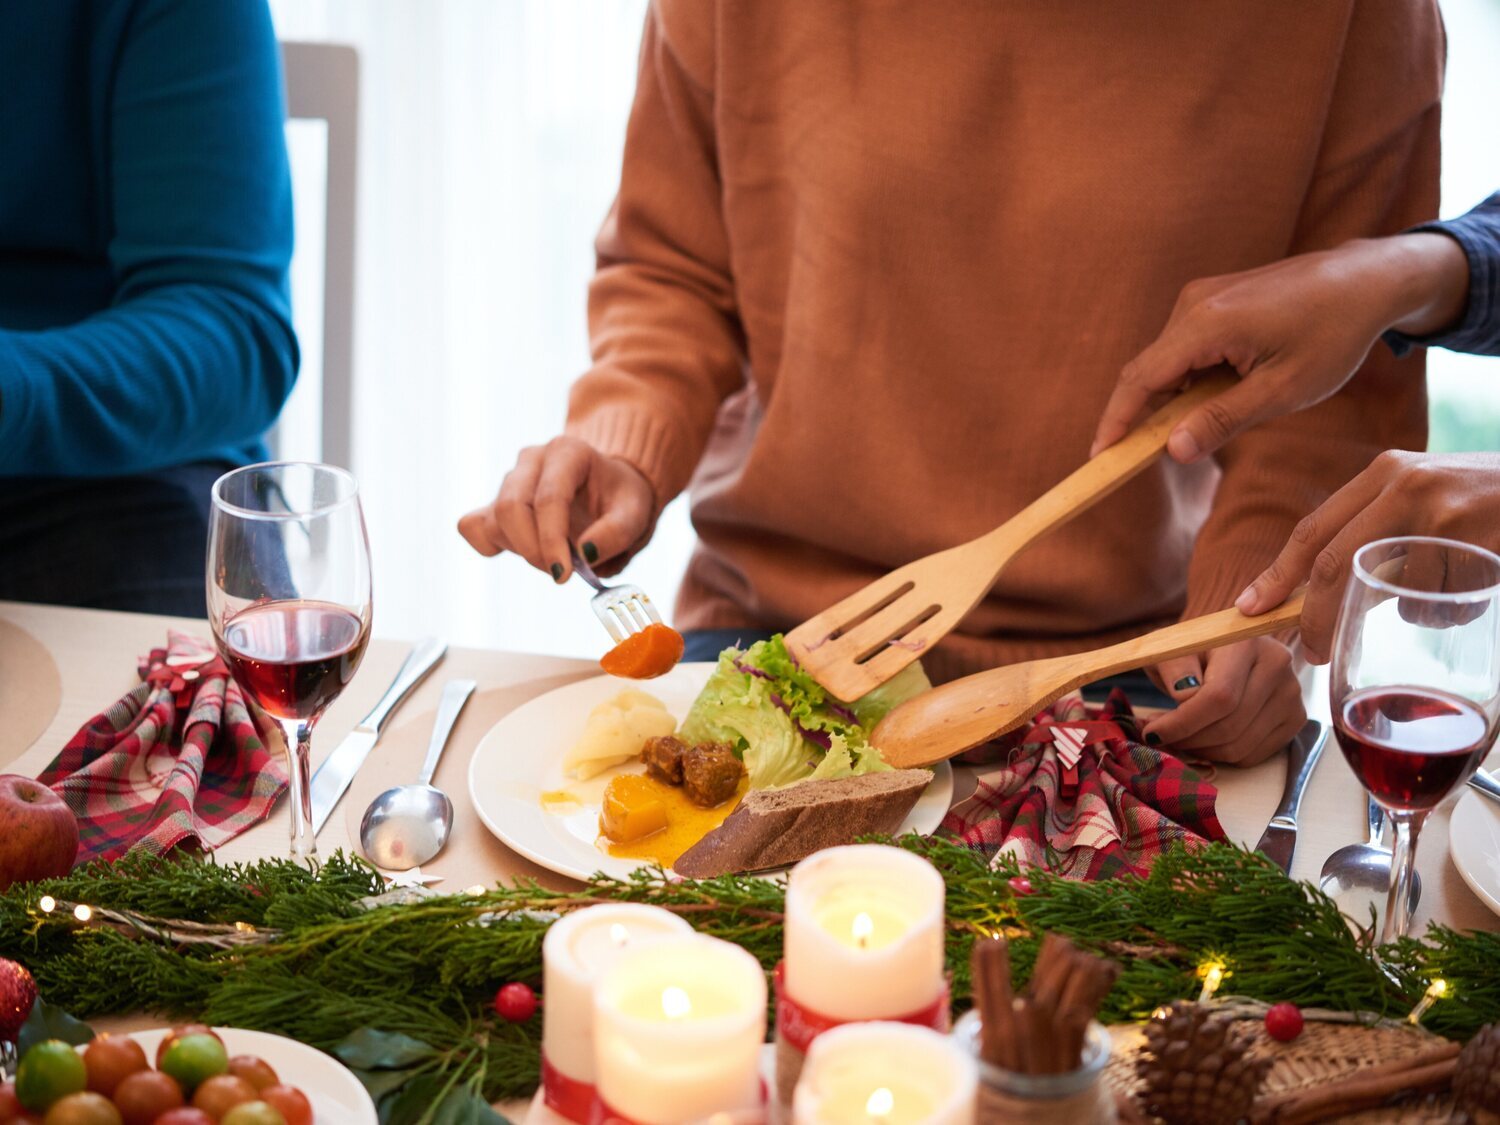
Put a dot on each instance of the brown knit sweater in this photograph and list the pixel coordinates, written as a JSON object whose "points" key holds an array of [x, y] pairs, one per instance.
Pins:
{"points": [[875, 265]]}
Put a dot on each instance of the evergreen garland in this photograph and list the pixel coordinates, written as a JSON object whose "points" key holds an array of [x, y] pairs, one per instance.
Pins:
{"points": [[402, 989]]}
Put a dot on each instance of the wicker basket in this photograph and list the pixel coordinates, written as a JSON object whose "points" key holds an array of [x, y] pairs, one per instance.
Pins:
{"points": [[1325, 1051]]}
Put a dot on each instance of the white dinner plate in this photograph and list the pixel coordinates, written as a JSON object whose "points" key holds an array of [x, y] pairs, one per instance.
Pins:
{"points": [[337, 1097], [1474, 844], [521, 758]]}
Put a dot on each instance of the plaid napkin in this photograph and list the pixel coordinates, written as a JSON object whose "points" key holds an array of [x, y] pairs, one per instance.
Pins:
{"points": [[1078, 793], [177, 761]]}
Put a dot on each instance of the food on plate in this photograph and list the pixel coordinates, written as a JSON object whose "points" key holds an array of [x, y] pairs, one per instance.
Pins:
{"points": [[110, 1059], [194, 1059], [615, 731], [290, 1102], [83, 1108], [652, 652], [782, 723], [663, 758], [49, 1071], [146, 1095], [632, 809], [38, 832], [51, 1080], [711, 774], [686, 824], [775, 827], [253, 1070], [221, 1093], [178, 1032]]}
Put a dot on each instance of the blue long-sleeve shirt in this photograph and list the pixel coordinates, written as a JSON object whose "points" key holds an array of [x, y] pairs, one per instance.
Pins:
{"points": [[1478, 233], [145, 235]]}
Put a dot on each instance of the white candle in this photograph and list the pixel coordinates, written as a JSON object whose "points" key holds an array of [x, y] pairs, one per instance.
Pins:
{"points": [[885, 1074], [864, 933], [576, 950], [678, 1027]]}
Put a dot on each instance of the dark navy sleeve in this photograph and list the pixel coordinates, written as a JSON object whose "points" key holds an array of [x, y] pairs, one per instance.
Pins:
{"points": [[1478, 331], [196, 353]]}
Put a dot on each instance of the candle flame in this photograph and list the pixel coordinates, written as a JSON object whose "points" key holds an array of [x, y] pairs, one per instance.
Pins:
{"points": [[675, 1002], [881, 1102], [863, 927], [618, 934]]}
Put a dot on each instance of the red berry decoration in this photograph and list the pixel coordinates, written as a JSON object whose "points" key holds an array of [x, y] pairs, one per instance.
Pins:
{"points": [[1284, 1021], [515, 1002], [1020, 885], [17, 995]]}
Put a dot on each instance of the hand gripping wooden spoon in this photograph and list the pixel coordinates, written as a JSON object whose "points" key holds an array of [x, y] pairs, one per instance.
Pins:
{"points": [[858, 644], [960, 715]]}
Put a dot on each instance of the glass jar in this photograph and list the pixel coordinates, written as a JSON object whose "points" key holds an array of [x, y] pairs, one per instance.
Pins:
{"points": [[1077, 1097]]}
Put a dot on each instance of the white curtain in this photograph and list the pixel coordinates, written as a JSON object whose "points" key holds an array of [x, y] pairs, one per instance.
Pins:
{"points": [[490, 145]]}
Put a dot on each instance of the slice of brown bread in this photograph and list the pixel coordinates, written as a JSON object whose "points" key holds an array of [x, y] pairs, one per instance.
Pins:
{"points": [[774, 827]]}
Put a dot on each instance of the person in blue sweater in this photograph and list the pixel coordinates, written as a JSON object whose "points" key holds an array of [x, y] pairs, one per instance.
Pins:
{"points": [[146, 342], [1296, 331]]}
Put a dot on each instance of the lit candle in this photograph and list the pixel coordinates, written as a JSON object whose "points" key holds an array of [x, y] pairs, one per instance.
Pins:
{"points": [[864, 933], [678, 1026], [576, 950], [885, 1074]]}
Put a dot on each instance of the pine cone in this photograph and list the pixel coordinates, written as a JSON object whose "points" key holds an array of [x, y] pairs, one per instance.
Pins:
{"points": [[1195, 1070], [1476, 1084]]}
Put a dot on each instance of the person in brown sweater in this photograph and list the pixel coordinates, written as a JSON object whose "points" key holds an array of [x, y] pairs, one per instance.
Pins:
{"points": [[873, 269]]}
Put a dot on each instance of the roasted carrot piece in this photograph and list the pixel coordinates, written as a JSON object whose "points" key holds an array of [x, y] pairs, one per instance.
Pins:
{"points": [[652, 652]]}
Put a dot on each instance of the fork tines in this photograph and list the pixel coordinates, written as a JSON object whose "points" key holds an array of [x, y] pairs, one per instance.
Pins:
{"points": [[625, 610]]}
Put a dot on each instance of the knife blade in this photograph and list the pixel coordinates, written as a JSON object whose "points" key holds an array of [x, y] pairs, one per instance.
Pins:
{"points": [[338, 770], [1279, 840], [1485, 782]]}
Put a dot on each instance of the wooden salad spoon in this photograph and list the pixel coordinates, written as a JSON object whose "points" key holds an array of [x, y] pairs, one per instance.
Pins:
{"points": [[853, 647], [964, 713]]}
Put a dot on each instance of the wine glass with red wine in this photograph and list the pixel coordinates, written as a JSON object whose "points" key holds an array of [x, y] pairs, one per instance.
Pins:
{"points": [[1415, 683], [289, 600]]}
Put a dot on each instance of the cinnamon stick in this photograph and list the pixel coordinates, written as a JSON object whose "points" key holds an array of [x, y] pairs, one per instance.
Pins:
{"points": [[1365, 1089], [991, 973]]}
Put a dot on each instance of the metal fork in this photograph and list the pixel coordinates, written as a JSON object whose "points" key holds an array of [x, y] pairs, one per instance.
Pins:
{"points": [[623, 609]]}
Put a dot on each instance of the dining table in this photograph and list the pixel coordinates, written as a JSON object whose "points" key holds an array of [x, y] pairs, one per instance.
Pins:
{"points": [[59, 667]]}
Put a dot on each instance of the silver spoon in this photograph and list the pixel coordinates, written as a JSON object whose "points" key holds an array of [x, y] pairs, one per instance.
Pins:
{"points": [[1365, 869], [408, 825]]}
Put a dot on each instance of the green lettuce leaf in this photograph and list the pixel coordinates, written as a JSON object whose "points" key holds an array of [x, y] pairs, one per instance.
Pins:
{"points": [[761, 703], [906, 684]]}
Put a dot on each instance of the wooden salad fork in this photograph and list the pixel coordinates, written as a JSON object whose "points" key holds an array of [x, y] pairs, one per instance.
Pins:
{"points": [[858, 644], [960, 715]]}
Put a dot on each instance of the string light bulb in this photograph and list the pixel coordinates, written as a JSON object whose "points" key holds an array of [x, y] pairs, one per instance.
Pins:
{"points": [[47, 904], [1213, 974], [83, 912], [1435, 992]]}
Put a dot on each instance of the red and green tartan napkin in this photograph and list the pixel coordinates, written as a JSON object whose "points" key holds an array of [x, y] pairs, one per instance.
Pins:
{"points": [[178, 761], [1078, 793]]}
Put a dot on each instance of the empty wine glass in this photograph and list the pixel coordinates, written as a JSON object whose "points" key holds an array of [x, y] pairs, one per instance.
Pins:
{"points": [[289, 601], [1415, 683]]}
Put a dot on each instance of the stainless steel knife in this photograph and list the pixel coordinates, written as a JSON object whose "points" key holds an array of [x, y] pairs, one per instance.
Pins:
{"points": [[1485, 782], [338, 770], [1279, 840]]}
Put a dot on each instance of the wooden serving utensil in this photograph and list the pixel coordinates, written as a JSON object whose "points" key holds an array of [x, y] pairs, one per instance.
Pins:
{"points": [[960, 715], [861, 642]]}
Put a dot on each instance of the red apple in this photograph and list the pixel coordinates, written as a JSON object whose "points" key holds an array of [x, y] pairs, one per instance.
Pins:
{"points": [[38, 832]]}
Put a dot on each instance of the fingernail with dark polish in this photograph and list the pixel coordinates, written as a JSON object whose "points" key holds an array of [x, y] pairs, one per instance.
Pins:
{"points": [[557, 572], [1187, 682], [590, 553], [1152, 738]]}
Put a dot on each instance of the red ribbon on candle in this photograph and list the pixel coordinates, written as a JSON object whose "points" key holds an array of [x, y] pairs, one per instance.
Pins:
{"points": [[568, 1097], [799, 1026]]}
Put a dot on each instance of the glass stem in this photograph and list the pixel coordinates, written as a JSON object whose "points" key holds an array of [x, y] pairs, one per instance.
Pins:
{"points": [[299, 788], [1398, 906]]}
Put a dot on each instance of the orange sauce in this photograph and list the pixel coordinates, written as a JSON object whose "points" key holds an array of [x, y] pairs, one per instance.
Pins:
{"points": [[687, 823]]}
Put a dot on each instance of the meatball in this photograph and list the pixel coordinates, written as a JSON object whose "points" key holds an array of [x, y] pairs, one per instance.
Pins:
{"points": [[711, 774], [663, 758]]}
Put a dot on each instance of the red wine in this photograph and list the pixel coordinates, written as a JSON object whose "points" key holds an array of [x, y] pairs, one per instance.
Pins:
{"points": [[293, 658], [1411, 746]]}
